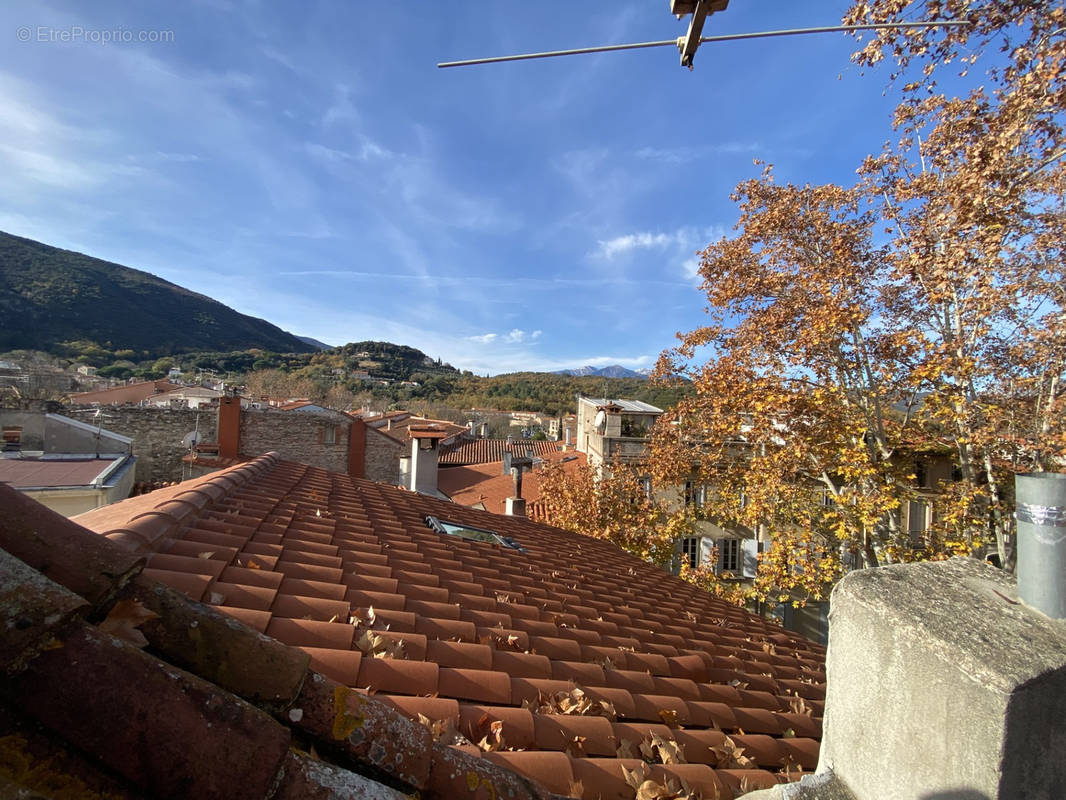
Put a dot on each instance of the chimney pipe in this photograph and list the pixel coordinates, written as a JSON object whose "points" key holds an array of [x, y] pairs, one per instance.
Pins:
{"points": [[1041, 515], [229, 426]]}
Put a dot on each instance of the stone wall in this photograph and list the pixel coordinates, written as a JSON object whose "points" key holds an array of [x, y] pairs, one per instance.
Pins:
{"points": [[301, 436], [383, 457], [157, 435]]}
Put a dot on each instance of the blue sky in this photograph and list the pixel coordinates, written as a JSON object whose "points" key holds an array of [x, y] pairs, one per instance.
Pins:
{"points": [[308, 163]]}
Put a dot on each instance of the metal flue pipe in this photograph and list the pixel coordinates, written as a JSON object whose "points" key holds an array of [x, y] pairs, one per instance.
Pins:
{"points": [[1041, 516]]}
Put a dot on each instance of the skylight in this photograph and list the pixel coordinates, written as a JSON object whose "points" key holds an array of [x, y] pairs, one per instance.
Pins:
{"points": [[471, 533]]}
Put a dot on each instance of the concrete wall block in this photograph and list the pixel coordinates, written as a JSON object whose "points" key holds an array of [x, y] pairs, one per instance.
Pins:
{"points": [[940, 684]]}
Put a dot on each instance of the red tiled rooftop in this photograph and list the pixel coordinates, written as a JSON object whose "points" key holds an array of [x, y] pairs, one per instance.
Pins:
{"points": [[467, 633], [485, 486], [482, 451], [130, 393], [397, 425]]}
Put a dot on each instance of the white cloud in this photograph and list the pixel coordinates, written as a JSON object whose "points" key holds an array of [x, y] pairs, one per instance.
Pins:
{"points": [[683, 155], [679, 245], [535, 335], [485, 338], [621, 245], [515, 336], [691, 268]]}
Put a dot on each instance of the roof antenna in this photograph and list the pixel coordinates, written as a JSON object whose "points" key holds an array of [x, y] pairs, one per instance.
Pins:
{"points": [[690, 42]]}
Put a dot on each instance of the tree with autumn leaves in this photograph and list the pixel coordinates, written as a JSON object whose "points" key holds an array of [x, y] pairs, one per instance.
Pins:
{"points": [[614, 506], [853, 328]]}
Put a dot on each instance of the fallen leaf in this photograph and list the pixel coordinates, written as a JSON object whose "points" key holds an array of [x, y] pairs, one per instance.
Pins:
{"points": [[123, 620]]}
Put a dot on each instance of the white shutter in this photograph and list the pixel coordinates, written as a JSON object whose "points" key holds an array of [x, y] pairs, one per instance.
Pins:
{"points": [[749, 555]]}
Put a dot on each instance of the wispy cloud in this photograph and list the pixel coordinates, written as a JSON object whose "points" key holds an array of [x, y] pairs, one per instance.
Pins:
{"points": [[621, 245], [684, 155], [485, 338], [679, 246]]}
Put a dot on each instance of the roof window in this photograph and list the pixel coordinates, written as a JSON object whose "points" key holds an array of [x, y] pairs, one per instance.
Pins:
{"points": [[473, 534]]}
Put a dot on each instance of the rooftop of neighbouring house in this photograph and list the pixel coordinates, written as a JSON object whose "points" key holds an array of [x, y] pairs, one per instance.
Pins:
{"points": [[397, 425], [486, 486], [481, 451], [628, 406], [130, 393], [55, 472], [564, 661]]}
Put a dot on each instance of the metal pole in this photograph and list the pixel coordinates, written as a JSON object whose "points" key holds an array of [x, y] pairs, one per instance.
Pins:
{"points": [[724, 38], [1041, 515]]}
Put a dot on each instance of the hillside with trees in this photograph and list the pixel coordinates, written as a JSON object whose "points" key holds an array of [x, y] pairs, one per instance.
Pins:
{"points": [[51, 297]]}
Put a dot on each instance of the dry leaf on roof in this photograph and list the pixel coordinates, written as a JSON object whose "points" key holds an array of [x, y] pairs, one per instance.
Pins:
{"points": [[669, 717], [769, 648], [443, 730], [799, 706], [577, 789], [125, 617], [576, 747], [647, 789], [205, 554], [748, 785], [739, 684], [216, 598], [731, 757], [656, 749], [607, 664], [374, 645], [493, 740], [570, 703]]}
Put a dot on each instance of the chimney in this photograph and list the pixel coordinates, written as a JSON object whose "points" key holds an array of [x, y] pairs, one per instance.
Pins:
{"points": [[566, 438], [357, 448], [483, 430], [229, 427], [422, 476], [515, 507]]}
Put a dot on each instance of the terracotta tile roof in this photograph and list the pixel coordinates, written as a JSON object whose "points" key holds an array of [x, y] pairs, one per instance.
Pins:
{"points": [[292, 405], [131, 393], [483, 451], [348, 571], [485, 486], [24, 473], [396, 425]]}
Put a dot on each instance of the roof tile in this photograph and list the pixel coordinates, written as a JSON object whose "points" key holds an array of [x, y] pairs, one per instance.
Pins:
{"points": [[176, 756]]}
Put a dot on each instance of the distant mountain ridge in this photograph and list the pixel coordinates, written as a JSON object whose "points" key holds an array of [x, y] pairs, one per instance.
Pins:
{"points": [[49, 296], [612, 371], [315, 343]]}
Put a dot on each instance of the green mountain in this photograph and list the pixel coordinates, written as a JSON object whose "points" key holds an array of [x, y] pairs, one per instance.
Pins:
{"points": [[49, 296]]}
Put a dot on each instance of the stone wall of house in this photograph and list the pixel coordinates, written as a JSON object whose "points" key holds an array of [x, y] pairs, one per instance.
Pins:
{"points": [[158, 435], [301, 436], [382, 457]]}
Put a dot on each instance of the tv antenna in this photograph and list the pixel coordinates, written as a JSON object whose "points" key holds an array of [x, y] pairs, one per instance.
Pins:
{"points": [[690, 42]]}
